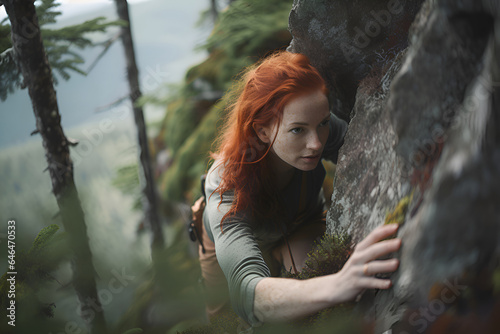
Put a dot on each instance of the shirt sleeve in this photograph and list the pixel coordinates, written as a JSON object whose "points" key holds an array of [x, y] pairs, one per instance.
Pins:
{"points": [[338, 129], [238, 253]]}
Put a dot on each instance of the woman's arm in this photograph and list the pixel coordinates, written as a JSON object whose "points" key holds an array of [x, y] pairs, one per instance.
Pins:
{"points": [[278, 299]]}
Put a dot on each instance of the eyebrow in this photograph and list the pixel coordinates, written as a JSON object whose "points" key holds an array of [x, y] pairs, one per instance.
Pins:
{"points": [[302, 123]]}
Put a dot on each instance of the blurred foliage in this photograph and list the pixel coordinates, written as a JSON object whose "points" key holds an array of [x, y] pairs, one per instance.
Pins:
{"points": [[245, 32], [179, 123], [248, 29], [59, 44], [226, 322], [127, 181], [33, 270], [170, 297], [496, 280], [134, 331], [181, 180], [330, 169]]}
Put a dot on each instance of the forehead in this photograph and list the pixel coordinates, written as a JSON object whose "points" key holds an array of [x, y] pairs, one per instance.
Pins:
{"points": [[306, 108]]}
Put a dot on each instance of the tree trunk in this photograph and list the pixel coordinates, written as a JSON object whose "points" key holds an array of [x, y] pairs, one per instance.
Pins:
{"points": [[150, 202], [214, 10], [32, 60]]}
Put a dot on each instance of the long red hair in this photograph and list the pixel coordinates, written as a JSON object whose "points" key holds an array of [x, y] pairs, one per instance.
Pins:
{"points": [[263, 92]]}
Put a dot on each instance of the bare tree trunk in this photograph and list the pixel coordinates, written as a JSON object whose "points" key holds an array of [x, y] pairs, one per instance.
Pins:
{"points": [[32, 59], [150, 202], [214, 9]]}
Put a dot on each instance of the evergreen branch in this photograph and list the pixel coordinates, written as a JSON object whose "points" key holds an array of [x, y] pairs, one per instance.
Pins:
{"points": [[10, 77], [113, 104], [74, 34], [62, 73], [43, 238], [59, 44], [44, 13], [107, 45]]}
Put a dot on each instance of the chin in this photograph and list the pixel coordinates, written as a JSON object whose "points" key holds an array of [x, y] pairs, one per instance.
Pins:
{"points": [[308, 167]]}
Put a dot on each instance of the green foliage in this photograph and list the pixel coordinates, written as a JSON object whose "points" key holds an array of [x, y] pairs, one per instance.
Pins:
{"points": [[327, 257], [60, 43], [60, 46], [179, 123], [10, 76], [496, 281], [182, 178], [170, 287], [127, 181], [47, 252], [5, 42], [134, 331], [46, 13], [249, 27], [245, 32], [42, 239], [33, 269], [226, 322]]}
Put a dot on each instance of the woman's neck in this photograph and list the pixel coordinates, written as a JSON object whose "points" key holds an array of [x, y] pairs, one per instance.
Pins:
{"points": [[282, 172]]}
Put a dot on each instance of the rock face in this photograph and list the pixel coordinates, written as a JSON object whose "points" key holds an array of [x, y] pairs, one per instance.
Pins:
{"points": [[427, 126], [347, 39], [370, 176]]}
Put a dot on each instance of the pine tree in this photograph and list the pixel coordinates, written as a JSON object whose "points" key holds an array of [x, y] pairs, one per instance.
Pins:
{"points": [[150, 201], [60, 45], [30, 56]]}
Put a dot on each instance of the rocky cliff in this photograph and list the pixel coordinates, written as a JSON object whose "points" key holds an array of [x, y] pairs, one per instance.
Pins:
{"points": [[420, 84]]}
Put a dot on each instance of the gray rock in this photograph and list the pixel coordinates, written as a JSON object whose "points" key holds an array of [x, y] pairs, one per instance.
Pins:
{"points": [[455, 232], [443, 60], [370, 177], [430, 126], [347, 39]]}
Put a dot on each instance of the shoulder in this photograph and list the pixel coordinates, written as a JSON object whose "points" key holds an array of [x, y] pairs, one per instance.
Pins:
{"points": [[214, 177], [217, 205]]}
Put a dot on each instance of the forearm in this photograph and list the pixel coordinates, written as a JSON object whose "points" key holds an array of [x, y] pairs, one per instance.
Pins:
{"points": [[278, 299]]}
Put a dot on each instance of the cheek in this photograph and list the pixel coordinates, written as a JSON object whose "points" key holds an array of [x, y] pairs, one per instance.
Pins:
{"points": [[286, 145]]}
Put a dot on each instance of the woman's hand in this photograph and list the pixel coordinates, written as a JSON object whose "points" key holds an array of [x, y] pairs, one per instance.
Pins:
{"points": [[358, 272], [282, 299]]}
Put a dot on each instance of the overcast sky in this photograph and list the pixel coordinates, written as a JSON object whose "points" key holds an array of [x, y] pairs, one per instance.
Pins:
{"points": [[72, 7]]}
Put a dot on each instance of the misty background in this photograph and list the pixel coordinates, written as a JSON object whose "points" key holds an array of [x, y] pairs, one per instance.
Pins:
{"points": [[165, 36]]}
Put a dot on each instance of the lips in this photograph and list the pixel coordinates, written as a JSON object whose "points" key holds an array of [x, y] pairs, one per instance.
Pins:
{"points": [[311, 158]]}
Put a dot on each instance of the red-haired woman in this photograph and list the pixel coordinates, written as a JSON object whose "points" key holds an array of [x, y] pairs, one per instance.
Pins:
{"points": [[264, 200]]}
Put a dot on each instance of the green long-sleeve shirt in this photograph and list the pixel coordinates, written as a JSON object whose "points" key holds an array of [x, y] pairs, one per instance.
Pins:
{"points": [[243, 247]]}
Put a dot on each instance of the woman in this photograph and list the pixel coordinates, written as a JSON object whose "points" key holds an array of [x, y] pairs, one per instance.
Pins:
{"points": [[264, 207]]}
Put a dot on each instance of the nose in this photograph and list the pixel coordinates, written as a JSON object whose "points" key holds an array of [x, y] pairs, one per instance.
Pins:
{"points": [[314, 142]]}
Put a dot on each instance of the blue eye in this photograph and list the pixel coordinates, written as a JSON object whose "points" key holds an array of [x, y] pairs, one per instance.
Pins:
{"points": [[296, 130]]}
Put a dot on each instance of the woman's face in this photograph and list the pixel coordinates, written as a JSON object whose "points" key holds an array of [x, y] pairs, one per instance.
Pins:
{"points": [[302, 133]]}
